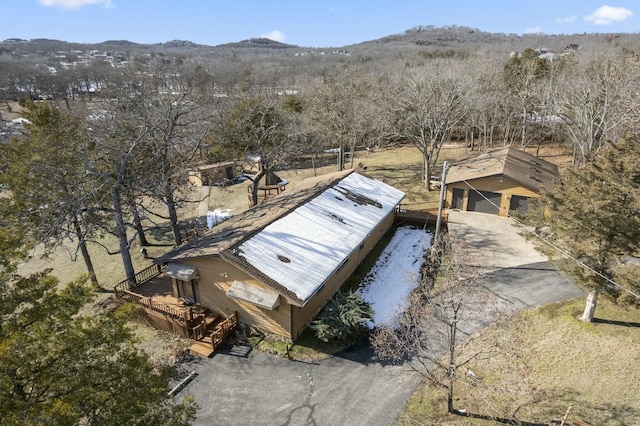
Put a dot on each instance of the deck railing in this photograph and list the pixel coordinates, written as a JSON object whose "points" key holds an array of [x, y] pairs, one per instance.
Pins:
{"points": [[184, 322], [183, 315], [223, 330], [198, 332], [139, 278], [431, 206]]}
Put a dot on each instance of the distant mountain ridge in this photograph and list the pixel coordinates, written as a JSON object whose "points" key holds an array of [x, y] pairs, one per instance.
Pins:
{"points": [[43, 44], [422, 36]]}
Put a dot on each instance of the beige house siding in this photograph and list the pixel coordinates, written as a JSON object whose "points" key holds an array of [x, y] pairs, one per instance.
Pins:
{"points": [[499, 184], [216, 277], [219, 265]]}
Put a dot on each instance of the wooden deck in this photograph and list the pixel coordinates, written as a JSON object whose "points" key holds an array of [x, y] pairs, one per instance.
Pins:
{"points": [[160, 290], [419, 214], [163, 311]]}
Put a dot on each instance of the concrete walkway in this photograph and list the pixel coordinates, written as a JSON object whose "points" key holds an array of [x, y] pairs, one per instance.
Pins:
{"points": [[491, 241]]}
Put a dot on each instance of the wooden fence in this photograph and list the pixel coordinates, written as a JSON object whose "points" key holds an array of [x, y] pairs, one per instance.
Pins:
{"points": [[423, 214]]}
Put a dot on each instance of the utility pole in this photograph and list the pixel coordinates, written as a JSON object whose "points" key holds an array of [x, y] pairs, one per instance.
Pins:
{"points": [[443, 183]]}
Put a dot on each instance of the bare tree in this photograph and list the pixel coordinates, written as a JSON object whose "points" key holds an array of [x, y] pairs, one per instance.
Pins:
{"points": [[260, 127], [595, 101], [119, 145], [176, 105], [434, 335], [427, 104], [332, 108]]}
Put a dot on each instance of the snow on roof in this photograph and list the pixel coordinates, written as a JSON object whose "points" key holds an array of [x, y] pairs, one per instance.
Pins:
{"points": [[302, 250]]}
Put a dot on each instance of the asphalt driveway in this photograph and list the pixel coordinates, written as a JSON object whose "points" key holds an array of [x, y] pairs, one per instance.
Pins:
{"points": [[511, 267], [239, 386], [243, 387]]}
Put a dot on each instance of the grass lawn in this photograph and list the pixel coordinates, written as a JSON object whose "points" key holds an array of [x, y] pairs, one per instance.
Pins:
{"points": [[548, 363]]}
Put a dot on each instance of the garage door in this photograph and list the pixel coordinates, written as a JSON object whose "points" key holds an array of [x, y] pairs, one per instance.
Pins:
{"points": [[519, 204], [484, 202], [456, 201]]}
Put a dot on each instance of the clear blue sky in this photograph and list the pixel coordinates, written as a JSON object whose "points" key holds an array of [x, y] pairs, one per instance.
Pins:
{"points": [[308, 23]]}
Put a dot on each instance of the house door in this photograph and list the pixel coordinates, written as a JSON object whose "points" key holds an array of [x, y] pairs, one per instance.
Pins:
{"points": [[189, 289], [456, 200], [519, 204], [484, 202]]}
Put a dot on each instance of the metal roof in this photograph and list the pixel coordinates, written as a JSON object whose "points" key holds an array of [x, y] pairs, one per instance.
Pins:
{"points": [[519, 166], [294, 242], [180, 271]]}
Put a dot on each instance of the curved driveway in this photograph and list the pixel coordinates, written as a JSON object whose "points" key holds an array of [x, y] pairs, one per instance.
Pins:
{"points": [[243, 387]]}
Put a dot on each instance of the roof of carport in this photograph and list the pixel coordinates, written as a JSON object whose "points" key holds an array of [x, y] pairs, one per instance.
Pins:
{"points": [[519, 166]]}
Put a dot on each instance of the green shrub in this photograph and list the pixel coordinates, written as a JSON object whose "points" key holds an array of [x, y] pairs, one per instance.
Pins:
{"points": [[344, 317]]}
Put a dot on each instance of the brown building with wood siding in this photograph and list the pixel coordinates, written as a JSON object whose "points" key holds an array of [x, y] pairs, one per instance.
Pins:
{"points": [[498, 181], [278, 263]]}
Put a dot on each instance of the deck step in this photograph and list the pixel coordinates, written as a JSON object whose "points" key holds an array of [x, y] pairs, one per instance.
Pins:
{"points": [[202, 348], [211, 319]]}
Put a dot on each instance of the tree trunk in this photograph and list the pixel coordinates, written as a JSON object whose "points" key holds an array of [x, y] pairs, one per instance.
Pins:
{"points": [[453, 329], [256, 185], [121, 232], [590, 306], [523, 143], [142, 238], [313, 164], [85, 253], [352, 150], [173, 218], [427, 172]]}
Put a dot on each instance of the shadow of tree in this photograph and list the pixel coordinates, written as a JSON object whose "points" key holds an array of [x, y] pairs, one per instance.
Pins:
{"points": [[501, 420], [615, 322]]}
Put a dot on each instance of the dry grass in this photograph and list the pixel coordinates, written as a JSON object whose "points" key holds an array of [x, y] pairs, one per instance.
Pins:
{"points": [[547, 362]]}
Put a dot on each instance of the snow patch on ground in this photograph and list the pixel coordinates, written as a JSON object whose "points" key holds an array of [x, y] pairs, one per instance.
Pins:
{"points": [[217, 216], [395, 274]]}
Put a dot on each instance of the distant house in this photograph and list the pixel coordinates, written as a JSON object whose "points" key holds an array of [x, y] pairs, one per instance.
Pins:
{"points": [[573, 47], [214, 174], [498, 181], [278, 263]]}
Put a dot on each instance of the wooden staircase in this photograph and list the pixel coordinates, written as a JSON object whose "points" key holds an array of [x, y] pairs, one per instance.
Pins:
{"points": [[211, 333]]}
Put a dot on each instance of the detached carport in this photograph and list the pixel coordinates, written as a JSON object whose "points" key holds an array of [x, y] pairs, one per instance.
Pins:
{"points": [[498, 182]]}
